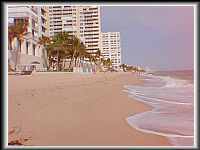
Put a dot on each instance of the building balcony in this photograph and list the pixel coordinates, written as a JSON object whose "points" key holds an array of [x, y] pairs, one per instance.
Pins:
{"points": [[91, 20], [18, 14], [45, 8], [91, 11], [34, 16], [44, 26], [35, 28], [34, 10], [89, 31], [91, 24], [91, 17], [92, 47], [91, 37], [91, 42], [44, 17], [91, 27], [30, 36]]}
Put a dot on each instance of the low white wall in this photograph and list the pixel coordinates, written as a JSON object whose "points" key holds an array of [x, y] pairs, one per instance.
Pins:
{"points": [[82, 70], [24, 59]]}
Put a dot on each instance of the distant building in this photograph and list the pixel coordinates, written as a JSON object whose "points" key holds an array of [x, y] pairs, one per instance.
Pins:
{"points": [[30, 50], [111, 47], [80, 21]]}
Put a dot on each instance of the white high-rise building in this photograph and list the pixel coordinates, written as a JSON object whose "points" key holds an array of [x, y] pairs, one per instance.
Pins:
{"points": [[80, 21], [111, 47], [30, 50]]}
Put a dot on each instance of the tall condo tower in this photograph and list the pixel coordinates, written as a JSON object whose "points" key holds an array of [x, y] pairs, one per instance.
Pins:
{"points": [[111, 47], [80, 21]]}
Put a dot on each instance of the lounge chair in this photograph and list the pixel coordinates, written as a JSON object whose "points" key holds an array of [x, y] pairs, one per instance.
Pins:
{"points": [[26, 72]]}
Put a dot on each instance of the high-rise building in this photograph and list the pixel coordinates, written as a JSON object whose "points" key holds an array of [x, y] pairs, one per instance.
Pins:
{"points": [[80, 21], [30, 50], [111, 47]]}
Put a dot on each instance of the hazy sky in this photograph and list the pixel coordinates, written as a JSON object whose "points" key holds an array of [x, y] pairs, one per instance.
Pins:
{"points": [[159, 37]]}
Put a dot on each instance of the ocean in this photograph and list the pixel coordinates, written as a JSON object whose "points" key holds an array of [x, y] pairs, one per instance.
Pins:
{"points": [[171, 95]]}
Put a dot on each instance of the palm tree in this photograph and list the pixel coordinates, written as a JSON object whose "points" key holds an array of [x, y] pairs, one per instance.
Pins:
{"points": [[79, 52], [135, 69], [11, 36], [75, 46], [123, 66], [130, 68], [82, 53], [86, 56], [98, 57], [91, 58], [18, 30], [106, 63], [59, 44], [95, 57], [51, 55], [45, 41]]}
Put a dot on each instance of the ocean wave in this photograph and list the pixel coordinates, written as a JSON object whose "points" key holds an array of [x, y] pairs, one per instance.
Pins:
{"points": [[164, 101], [134, 125], [172, 101], [170, 81]]}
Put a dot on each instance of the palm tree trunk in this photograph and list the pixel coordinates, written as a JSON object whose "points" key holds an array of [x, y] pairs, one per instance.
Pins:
{"points": [[48, 61], [9, 43], [16, 60], [57, 61], [70, 63], [90, 64], [63, 64], [73, 58], [79, 63], [46, 57], [75, 61]]}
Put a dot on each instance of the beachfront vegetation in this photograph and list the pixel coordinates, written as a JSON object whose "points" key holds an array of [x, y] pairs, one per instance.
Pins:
{"points": [[107, 63], [63, 46], [58, 49], [130, 68], [17, 30], [77, 50]]}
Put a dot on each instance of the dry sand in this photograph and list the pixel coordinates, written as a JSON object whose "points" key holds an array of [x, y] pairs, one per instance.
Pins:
{"points": [[66, 109]]}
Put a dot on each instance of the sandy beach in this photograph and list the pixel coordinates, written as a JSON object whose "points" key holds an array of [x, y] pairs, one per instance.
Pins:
{"points": [[67, 109]]}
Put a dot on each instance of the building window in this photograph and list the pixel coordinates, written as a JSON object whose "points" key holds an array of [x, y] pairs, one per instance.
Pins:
{"points": [[20, 45], [27, 48], [33, 32], [33, 50]]}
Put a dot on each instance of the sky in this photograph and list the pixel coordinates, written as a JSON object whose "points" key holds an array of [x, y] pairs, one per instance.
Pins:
{"points": [[159, 37]]}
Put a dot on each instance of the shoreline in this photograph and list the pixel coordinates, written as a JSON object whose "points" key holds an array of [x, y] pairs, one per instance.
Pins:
{"points": [[76, 110], [149, 122]]}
